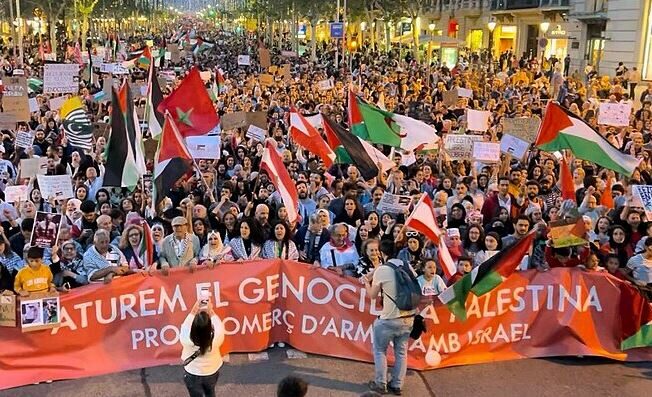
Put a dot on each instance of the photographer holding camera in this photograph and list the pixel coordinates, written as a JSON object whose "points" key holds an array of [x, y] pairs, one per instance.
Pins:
{"points": [[202, 334]]}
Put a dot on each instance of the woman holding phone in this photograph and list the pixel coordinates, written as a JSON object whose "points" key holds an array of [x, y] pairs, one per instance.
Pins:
{"points": [[202, 334]]}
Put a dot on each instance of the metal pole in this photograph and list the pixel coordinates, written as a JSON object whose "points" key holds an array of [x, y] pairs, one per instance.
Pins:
{"points": [[20, 33], [11, 24], [344, 21], [337, 41]]}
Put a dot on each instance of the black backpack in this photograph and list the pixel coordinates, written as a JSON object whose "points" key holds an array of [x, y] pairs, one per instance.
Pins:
{"points": [[408, 291]]}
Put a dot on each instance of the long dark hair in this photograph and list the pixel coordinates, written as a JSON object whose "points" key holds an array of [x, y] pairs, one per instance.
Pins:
{"points": [[201, 332]]}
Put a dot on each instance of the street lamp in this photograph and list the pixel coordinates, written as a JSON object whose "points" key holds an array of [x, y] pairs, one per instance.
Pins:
{"points": [[363, 27], [491, 25], [431, 29]]}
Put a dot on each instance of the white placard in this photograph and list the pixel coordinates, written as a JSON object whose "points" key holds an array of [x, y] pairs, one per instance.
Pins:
{"points": [[477, 120], [57, 186], [206, 75], [33, 105], [514, 146], [460, 147], [325, 85], [486, 152], [616, 114], [464, 93], [244, 60], [256, 133], [33, 167], [204, 147], [52, 57], [393, 203], [97, 59], [56, 103], [289, 54], [60, 78], [168, 55], [644, 194], [16, 193], [113, 68], [24, 139]]}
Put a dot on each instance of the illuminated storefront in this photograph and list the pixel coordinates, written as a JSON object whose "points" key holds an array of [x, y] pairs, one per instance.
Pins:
{"points": [[647, 49], [474, 40], [506, 36], [557, 42]]}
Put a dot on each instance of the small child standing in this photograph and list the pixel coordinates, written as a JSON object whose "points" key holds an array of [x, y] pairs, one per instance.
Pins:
{"points": [[35, 277], [464, 266], [431, 284]]}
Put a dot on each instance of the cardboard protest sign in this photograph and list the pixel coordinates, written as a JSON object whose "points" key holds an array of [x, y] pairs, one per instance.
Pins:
{"points": [[205, 75], [150, 146], [259, 119], [15, 99], [8, 121], [57, 186], [449, 98], [60, 78], [464, 93], [7, 310], [265, 58], [24, 139], [285, 72], [460, 147], [244, 60], [393, 203], [204, 147], [567, 234], [524, 128], [57, 102], [256, 133], [38, 312], [16, 193], [33, 167], [266, 79], [325, 85], [273, 69], [46, 229], [477, 120], [513, 146], [644, 194], [615, 114], [486, 152], [233, 120]]}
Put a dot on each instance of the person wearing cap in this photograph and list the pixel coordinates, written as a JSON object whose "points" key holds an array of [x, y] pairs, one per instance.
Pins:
{"points": [[181, 248]]}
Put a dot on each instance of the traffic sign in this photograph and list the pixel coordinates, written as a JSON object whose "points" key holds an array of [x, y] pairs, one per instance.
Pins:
{"points": [[337, 30]]}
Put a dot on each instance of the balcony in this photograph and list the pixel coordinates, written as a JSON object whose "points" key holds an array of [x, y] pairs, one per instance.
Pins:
{"points": [[501, 5]]}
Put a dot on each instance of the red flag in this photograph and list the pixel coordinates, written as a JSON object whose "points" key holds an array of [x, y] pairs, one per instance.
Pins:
{"points": [[607, 199], [566, 181], [277, 172], [636, 318], [173, 160], [191, 107], [307, 136]]}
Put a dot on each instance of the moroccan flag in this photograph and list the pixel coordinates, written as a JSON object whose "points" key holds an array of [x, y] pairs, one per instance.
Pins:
{"points": [[76, 123], [125, 160], [277, 172], [636, 316], [566, 181], [307, 136], [173, 160], [561, 129], [154, 98], [380, 126], [484, 278], [350, 149], [191, 107]]}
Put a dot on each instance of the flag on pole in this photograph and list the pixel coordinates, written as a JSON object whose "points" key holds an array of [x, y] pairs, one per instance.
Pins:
{"points": [[278, 173], [308, 137], [173, 160], [566, 181], [154, 118], [147, 244], [76, 123]]}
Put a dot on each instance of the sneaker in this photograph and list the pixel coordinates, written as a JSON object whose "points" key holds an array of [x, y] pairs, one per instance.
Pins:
{"points": [[48, 381], [373, 386], [394, 390], [280, 344]]}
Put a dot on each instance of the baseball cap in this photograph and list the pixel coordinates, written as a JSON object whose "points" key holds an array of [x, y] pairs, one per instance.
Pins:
{"points": [[179, 220]]}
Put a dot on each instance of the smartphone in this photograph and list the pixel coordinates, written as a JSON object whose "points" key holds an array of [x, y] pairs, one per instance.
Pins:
{"points": [[204, 296]]}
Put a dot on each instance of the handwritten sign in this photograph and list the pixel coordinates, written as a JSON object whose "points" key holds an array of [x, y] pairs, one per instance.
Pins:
{"points": [[24, 139], [477, 120], [524, 128], [16, 193], [15, 99], [460, 147], [244, 60], [393, 203], [266, 79], [60, 78], [265, 58], [615, 114], [7, 310], [256, 133], [486, 152], [57, 186], [325, 85], [513, 146], [644, 194], [56, 103]]}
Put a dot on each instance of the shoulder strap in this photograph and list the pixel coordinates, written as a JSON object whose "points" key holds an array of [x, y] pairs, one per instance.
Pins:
{"points": [[333, 257], [191, 358]]}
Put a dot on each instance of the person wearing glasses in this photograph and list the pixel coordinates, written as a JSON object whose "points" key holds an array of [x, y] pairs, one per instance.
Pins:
{"points": [[135, 251]]}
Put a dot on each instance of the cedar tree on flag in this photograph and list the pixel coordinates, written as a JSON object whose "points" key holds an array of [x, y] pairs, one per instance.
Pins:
{"points": [[277, 172], [561, 129], [172, 160], [191, 107], [308, 137], [566, 181], [636, 316], [380, 126], [484, 278], [423, 220], [350, 149]]}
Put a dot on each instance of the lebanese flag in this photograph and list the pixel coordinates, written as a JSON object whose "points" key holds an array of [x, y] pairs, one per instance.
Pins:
{"points": [[423, 220], [308, 137], [561, 129], [172, 160], [191, 107], [566, 181], [277, 172]]}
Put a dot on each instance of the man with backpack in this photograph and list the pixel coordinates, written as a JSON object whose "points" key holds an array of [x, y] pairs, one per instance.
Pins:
{"points": [[401, 294]]}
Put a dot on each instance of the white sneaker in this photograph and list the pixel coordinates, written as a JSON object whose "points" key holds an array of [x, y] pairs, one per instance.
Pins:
{"points": [[280, 344], [48, 381], [272, 345]]}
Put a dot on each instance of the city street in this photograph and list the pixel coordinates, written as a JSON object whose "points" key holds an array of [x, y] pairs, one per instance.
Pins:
{"points": [[557, 377]]}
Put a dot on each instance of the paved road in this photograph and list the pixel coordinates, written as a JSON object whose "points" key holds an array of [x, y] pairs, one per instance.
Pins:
{"points": [[559, 377]]}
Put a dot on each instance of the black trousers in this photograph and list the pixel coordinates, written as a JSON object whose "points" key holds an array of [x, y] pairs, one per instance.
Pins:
{"points": [[201, 386]]}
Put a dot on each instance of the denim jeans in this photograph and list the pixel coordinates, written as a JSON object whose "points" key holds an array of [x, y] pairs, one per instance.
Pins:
{"points": [[201, 386], [396, 331]]}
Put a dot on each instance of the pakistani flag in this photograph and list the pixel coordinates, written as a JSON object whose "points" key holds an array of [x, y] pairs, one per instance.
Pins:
{"points": [[484, 278], [379, 126]]}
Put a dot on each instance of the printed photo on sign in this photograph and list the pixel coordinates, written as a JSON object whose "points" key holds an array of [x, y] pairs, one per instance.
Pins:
{"points": [[46, 229], [40, 313], [513, 146], [31, 313], [394, 203]]}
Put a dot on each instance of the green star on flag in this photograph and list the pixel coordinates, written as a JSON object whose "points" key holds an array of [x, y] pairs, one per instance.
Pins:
{"points": [[184, 117]]}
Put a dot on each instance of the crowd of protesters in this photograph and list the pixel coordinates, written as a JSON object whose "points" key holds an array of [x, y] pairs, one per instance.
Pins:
{"points": [[235, 214]]}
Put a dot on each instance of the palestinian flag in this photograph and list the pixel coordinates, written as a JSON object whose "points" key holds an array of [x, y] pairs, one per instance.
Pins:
{"points": [[561, 129], [221, 82], [636, 317], [379, 126], [141, 58], [349, 149], [308, 137], [202, 45], [172, 161], [125, 160], [76, 123], [154, 99], [484, 278]]}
